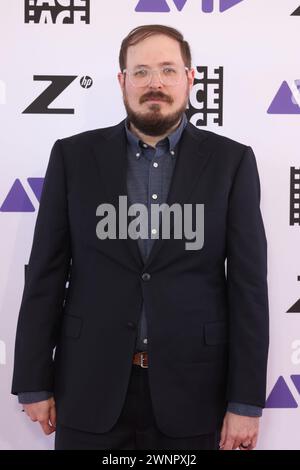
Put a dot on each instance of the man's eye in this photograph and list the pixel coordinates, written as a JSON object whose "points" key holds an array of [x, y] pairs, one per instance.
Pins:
{"points": [[169, 71], [140, 73]]}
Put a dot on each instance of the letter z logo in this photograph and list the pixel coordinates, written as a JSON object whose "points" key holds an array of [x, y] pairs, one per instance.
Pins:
{"points": [[58, 84]]}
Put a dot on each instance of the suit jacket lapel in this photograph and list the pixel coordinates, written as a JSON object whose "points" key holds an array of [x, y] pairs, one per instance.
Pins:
{"points": [[111, 157]]}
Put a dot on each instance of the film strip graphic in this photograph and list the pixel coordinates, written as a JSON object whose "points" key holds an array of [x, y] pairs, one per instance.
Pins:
{"points": [[295, 196], [206, 97]]}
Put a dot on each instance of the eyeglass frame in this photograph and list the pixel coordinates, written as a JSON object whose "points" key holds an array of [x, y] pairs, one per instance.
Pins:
{"points": [[151, 76]]}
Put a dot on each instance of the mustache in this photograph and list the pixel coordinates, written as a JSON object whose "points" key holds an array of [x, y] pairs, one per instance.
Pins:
{"points": [[155, 95]]}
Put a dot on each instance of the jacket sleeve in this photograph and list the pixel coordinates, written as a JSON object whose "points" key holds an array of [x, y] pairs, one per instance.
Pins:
{"points": [[26, 398], [247, 289], [244, 410], [42, 302]]}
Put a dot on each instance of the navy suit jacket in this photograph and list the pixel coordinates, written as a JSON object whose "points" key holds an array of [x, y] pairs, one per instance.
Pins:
{"points": [[211, 304]]}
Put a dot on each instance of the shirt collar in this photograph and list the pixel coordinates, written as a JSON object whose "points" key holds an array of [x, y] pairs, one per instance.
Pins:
{"points": [[171, 140]]}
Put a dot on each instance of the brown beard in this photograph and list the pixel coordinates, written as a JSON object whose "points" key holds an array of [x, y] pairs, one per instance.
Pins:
{"points": [[153, 123]]}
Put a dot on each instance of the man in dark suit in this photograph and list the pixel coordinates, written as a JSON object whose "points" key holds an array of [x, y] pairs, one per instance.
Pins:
{"points": [[154, 346]]}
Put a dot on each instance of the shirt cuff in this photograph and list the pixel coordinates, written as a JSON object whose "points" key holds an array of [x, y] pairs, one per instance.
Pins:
{"points": [[25, 398], [244, 409]]}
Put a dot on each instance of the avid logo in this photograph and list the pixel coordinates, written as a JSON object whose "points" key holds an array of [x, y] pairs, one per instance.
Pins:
{"points": [[57, 11], [18, 200], [58, 84], [281, 395], [206, 97], [162, 6], [287, 99]]}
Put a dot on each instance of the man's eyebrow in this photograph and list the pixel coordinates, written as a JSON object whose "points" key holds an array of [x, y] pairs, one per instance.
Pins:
{"points": [[139, 66], [167, 63]]}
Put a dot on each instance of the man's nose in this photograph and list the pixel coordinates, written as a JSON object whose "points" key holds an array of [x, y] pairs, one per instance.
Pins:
{"points": [[155, 80]]}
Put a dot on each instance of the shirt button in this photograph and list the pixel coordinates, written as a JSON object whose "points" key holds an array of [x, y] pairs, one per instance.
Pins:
{"points": [[137, 154], [155, 165], [145, 341], [146, 276], [172, 152], [145, 146], [154, 196]]}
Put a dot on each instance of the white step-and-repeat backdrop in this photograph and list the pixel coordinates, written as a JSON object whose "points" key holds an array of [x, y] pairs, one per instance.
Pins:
{"points": [[58, 77]]}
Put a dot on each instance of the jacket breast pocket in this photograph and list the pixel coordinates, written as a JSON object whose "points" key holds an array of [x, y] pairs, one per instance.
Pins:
{"points": [[71, 326], [216, 333]]}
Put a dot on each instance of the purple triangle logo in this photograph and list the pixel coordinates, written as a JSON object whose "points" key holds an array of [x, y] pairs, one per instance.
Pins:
{"points": [[17, 200], [158, 5], [226, 4], [152, 5], [36, 185], [161, 6], [296, 381], [179, 4], [280, 396], [284, 101]]}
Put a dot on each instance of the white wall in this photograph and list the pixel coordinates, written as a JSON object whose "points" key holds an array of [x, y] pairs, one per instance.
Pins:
{"points": [[257, 44]]}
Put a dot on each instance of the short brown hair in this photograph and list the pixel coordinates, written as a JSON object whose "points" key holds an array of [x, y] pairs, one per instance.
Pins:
{"points": [[142, 32]]}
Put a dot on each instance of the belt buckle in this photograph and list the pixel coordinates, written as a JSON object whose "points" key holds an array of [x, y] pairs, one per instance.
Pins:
{"points": [[142, 361]]}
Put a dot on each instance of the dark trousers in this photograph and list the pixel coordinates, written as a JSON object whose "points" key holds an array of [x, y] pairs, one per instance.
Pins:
{"points": [[136, 427]]}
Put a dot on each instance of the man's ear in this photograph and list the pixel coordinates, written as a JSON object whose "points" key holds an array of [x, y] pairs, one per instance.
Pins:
{"points": [[121, 79], [191, 77]]}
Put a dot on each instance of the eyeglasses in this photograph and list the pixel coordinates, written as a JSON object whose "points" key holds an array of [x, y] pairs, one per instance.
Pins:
{"points": [[168, 75]]}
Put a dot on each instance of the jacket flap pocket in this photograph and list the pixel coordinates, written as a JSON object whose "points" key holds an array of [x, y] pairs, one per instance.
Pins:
{"points": [[71, 326], [216, 332]]}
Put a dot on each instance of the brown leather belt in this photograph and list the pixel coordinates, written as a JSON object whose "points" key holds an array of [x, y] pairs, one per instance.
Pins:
{"points": [[141, 359]]}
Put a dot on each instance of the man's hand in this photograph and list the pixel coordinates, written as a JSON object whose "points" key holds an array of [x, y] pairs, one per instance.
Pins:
{"points": [[44, 412], [239, 432]]}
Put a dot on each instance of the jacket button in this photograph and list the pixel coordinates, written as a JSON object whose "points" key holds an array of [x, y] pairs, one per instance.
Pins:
{"points": [[146, 276], [131, 325]]}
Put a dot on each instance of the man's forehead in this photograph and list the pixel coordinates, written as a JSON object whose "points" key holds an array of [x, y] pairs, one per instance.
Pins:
{"points": [[155, 50]]}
